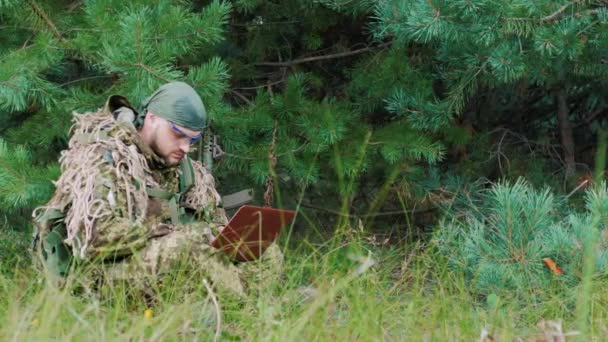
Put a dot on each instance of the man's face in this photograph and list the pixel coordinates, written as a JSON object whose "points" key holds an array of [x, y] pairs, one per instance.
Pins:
{"points": [[171, 142]]}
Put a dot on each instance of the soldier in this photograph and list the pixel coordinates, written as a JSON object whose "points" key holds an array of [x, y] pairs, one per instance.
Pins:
{"points": [[131, 201]]}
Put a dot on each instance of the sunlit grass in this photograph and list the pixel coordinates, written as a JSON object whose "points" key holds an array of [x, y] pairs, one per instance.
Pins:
{"points": [[342, 290]]}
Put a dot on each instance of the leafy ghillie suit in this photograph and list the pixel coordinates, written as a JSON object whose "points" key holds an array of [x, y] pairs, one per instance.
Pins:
{"points": [[117, 204]]}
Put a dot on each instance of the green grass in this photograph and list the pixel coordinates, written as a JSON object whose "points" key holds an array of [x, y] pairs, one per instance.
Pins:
{"points": [[342, 290]]}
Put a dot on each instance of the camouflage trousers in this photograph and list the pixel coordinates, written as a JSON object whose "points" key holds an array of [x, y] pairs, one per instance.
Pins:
{"points": [[186, 252]]}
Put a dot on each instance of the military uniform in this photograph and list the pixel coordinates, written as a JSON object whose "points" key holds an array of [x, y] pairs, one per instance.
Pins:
{"points": [[119, 206]]}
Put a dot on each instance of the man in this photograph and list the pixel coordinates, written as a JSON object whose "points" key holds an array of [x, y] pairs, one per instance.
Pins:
{"points": [[131, 201]]}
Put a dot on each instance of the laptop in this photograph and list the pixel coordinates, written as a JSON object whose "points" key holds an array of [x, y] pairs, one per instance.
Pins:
{"points": [[251, 231]]}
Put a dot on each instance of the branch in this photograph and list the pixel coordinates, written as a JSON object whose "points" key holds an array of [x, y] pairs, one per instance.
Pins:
{"points": [[84, 79], [557, 14], [386, 213], [187, 35], [265, 23], [319, 58], [241, 96], [272, 165], [148, 69], [12, 171], [262, 86], [40, 13], [592, 116], [261, 158], [577, 14], [75, 5]]}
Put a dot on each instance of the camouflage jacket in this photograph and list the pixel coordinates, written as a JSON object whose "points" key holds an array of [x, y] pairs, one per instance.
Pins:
{"points": [[115, 193]]}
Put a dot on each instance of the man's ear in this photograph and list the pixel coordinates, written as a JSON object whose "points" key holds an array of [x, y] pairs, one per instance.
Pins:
{"points": [[151, 119]]}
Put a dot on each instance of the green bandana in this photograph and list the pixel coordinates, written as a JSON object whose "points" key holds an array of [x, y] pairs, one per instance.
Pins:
{"points": [[178, 103]]}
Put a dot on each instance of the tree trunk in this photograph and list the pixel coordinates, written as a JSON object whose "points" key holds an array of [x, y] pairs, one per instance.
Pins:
{"points": [[565, 130]]}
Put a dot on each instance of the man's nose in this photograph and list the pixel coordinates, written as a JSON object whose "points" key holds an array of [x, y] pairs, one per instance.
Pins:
{"points": [[184, 146]]}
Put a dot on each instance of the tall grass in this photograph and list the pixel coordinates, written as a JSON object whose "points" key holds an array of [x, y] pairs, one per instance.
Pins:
{"points": [[343, 289]]}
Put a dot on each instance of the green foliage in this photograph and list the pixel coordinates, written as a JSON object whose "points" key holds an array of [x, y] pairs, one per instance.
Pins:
{"points": [[9, 3], [14, 250], [21, 184], [295, 127], [315, 140], [499, 240], [544, 50], [355, 8], [20, 70], [377, 78]]}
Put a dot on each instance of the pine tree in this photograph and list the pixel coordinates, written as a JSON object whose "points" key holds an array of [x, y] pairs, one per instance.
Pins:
{"points": [[552, 50], [282, 124], [308, 70], [500, 239]]}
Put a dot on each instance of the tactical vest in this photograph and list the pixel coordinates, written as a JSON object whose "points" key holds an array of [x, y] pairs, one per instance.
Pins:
{"points": [[51, 232]]}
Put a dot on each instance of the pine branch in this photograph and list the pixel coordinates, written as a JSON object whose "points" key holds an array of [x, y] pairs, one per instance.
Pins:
{"points": [[578, 14], [324, 57], [21, 183], [45, 18], [151, 71], [385, 213], [295, 150], [254, 24], [241, 96], [75, 5], [84, 79], [557, 14], [272, 167]]}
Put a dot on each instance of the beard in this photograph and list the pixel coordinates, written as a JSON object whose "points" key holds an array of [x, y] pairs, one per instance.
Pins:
{"points": [[167, 156]]}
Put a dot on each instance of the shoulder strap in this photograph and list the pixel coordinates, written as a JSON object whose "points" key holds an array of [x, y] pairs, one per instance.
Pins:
{"points": [[186, 182], [186, 178]]}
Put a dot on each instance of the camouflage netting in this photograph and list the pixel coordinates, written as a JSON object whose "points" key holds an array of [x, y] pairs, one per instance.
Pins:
{"points": [[80, 173], [99, 144]]}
